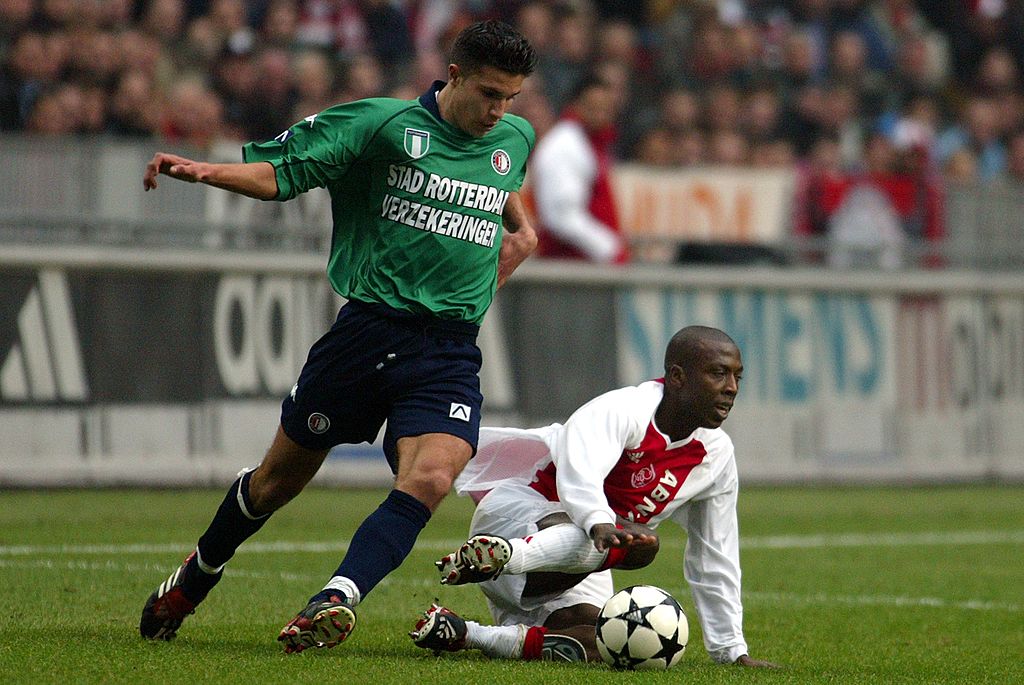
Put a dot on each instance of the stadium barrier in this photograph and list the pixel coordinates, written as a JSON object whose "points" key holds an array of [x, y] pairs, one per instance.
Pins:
{"points": [[166, 366], [148, 338]]}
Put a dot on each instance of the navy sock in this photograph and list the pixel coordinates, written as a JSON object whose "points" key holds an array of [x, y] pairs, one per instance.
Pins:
{"points": [[233, 524], [383, 541], [196, 583]]}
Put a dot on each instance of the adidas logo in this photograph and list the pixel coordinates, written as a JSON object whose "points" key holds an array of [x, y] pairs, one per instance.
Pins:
{"points": [[45, 361], [446, 631], [459, 411]]}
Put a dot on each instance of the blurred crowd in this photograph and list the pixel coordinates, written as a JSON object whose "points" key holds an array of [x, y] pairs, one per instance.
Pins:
{"points": [[896, 89]]}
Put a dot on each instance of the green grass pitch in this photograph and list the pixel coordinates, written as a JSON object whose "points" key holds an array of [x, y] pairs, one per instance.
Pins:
{"points": [[841, 585]]}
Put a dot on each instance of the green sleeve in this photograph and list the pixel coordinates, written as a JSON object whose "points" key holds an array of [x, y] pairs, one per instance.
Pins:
{"points": [[319, 149], [525, 129]]}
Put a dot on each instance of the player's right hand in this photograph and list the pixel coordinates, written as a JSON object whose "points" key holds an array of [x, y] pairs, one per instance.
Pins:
{"points": [[171, 165]]}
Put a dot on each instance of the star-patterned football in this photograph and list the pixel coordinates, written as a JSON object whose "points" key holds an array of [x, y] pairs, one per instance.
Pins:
{"points": [[642, 627]]}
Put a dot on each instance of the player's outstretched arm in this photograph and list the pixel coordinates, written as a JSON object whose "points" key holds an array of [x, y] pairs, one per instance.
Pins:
{"points": [[256, 179], [520, 238], [745, 660]]}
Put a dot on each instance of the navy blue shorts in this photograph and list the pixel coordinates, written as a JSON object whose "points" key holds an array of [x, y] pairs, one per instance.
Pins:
{"points": [[419, 373]]}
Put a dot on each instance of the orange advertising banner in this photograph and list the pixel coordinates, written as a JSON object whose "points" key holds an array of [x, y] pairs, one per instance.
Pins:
{"points": [[712, 204]]}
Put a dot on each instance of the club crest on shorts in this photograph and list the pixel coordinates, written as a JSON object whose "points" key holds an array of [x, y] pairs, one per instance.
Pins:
{"points": [[500, 162], [417, 142], [459, 411], [318, 423]]}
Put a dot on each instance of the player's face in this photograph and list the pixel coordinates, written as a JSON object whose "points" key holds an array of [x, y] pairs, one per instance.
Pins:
{"points": [[480, 98], [708, 390]]}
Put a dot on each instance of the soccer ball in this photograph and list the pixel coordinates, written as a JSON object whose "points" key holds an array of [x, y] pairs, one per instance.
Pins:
{"points": [[642, 627]]}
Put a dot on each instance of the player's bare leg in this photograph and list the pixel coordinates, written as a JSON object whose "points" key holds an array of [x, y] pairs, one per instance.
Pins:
{"points": [[284, 471], [427, 467]]}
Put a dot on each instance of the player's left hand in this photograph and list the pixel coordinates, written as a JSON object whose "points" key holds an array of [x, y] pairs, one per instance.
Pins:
{"points": [[515, 247], [627, 534], [745, 660], [519, 238]]}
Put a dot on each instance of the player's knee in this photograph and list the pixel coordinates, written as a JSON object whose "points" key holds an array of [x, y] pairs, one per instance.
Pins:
{"points": [[270, 490], [429, 484]]}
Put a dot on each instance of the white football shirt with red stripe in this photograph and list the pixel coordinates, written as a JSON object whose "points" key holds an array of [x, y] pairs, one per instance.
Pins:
{"points": [[610, 458]]}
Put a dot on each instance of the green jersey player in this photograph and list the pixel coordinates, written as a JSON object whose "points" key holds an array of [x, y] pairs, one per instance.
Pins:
{"points": [[428, 223]]}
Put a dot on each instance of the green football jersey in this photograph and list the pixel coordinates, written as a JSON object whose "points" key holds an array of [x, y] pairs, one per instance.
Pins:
{"points": [[416, 202]]}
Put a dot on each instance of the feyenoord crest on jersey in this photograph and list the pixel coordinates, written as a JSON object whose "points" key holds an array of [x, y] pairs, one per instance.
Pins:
{"points": [[416, 142], [501, 162]]}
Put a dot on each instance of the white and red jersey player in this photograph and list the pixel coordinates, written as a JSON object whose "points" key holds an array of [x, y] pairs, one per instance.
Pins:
{"points": [[610, 459]]}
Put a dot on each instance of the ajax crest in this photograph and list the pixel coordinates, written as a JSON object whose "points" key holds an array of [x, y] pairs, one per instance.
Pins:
{"points": [[644, 476]]}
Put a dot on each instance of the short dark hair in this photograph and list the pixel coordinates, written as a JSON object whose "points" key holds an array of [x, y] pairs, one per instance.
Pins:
{"points": [[495, 44], [687, 345]]}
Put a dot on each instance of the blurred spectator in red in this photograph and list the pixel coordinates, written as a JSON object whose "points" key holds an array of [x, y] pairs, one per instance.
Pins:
{"points": [[868, 215], [569, 175]]}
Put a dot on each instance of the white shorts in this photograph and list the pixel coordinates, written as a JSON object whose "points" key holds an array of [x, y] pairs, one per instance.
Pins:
{"points": [[512, 510]]}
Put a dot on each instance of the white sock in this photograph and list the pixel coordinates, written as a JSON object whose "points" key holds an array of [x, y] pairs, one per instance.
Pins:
{"points": [[206, 568], [497, 642], [564, 547], [345, 587]]}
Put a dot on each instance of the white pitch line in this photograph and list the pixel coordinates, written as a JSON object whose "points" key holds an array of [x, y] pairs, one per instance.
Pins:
{"points": [[929, 539], [113, 566], [884, 600], [431, 582], [937, 538]]}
